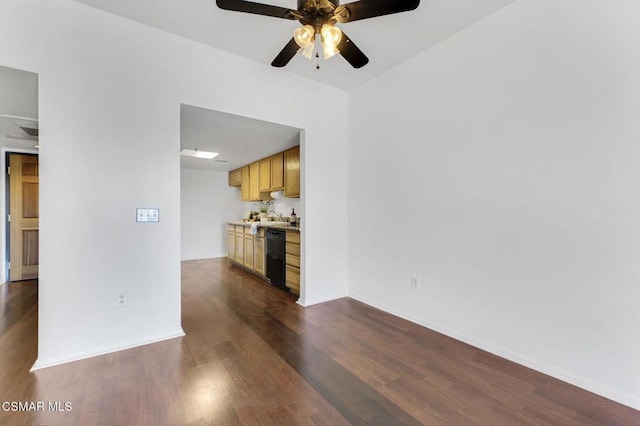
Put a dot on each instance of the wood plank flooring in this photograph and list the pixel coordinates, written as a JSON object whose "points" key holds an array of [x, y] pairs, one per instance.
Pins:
{"points": [[252, 356]]}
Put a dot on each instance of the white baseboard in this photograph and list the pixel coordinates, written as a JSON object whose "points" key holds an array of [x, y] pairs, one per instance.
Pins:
{"points": [[601, 389], [50, 362], [306, 303]]}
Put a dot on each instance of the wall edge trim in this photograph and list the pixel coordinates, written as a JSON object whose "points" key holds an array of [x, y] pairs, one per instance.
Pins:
{"points": [[77, 356]]}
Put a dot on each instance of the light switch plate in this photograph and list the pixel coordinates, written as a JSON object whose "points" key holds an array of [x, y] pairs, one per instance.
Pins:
{"points": [[147, 215]]}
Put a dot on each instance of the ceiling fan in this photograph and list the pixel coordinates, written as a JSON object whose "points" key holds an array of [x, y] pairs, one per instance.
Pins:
{"points": [[318, 19]]}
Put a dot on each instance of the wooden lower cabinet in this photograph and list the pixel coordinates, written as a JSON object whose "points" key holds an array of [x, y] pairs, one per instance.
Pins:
{"points": [[259, 253], [292, 261], [249, 252], [292, 255], [292, 280], [239, 257], [231, 242], [246, 249]]}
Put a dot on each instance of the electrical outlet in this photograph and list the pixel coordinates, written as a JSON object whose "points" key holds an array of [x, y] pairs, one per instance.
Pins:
{"points": [[415, 282], [122, 299]]}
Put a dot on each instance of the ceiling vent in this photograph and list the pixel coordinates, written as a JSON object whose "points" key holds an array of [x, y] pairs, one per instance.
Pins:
{"points": [[30, 131]]}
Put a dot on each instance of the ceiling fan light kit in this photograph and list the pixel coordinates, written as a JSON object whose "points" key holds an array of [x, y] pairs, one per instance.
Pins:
{"points": [[307, 51], [331, 37], [304, 36], [318, 19]]}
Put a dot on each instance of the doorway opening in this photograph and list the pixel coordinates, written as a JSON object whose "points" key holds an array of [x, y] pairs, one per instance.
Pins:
{"points": [[23, 219], [213, 193], [19, 134]]}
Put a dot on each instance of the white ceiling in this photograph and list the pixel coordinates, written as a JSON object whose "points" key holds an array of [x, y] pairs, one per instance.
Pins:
{"points": [[18, 108], [387, 40], [239, 140]]}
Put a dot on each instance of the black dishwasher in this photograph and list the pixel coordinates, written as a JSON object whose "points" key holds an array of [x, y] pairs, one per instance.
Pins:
{"points": [[275, 258]]}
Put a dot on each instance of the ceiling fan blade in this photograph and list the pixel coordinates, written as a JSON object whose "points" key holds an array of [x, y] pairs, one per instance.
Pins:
{"points": [[286, 54], [351, 53], [364, 9], [256, 8]]}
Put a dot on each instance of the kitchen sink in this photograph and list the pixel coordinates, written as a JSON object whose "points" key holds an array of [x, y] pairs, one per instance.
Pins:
{"points": [[274, 224]]}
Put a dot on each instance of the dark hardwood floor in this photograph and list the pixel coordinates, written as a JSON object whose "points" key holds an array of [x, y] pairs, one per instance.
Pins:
{"points": [[252, 356]]}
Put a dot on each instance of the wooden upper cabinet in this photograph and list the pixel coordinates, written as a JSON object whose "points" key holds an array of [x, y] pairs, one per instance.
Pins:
{"points": [[292, 172], [235, 177], [265, 175], [244, 187], [277, 171], [274, 173], [254, 178]]}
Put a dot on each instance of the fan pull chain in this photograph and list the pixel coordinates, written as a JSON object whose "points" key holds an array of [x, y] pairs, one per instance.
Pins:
{"points": [[318, 58]]}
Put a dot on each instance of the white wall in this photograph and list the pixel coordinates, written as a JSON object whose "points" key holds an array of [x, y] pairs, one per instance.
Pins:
{"points": [[110, 95], [280, 205], [207, 202], [513, 152]]}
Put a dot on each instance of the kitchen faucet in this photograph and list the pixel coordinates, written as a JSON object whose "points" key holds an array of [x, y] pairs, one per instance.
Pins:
{"points": [[277, 214]]}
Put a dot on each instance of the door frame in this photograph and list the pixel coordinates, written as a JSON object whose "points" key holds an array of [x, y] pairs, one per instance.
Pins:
{"points": [[5, 231]]}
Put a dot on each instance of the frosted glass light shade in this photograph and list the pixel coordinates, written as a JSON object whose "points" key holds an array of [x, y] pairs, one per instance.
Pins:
{"points": [[331, 36], [304, 36], [307, 52]]}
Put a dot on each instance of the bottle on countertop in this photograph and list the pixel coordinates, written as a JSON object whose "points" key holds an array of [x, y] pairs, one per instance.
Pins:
{"points": [[293, 219]]}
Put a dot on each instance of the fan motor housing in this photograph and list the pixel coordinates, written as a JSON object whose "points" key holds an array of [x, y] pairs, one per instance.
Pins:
{"points": [[303, 3], [317, 12]]}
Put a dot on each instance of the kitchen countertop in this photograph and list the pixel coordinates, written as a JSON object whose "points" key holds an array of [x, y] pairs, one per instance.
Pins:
{"points": [[269, 224]]}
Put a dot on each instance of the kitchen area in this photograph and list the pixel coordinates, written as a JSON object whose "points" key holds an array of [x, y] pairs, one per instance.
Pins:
{"points": [[237, 205], [266, 240]]}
